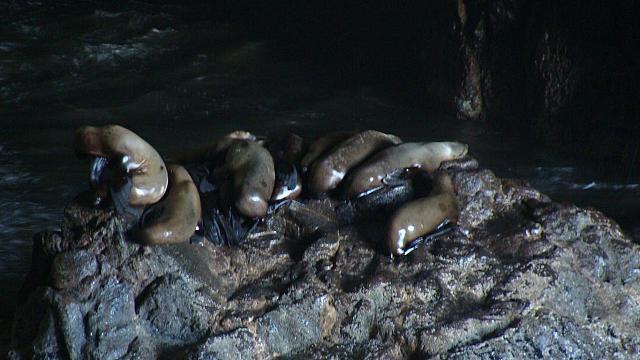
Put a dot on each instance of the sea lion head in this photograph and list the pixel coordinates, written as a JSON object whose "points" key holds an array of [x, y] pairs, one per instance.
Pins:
{"points": [[233, 136], [456, 149], [86, 142]]}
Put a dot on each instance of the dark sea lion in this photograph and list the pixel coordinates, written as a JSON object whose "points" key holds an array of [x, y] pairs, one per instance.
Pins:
{"points": [[225, 227], [424, 156], [286, 154], [252, 171], [220, 223], [422, 216], [399, 187], [210, 150], [175, 218], [129, 157], [321, 146], [327, 172]]}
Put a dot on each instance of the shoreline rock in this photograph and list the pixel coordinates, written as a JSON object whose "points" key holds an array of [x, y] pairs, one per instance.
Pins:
{"points": [[521, 276]]}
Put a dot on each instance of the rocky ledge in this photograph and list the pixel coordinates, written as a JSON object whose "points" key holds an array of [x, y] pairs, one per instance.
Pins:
{"points": [[520, 277]]}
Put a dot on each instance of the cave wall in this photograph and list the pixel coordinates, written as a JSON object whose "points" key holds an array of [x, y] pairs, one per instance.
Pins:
{"points": [[565, 71]]}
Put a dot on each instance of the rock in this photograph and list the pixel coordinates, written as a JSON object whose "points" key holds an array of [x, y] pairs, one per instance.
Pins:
{"points": [[521, 276], [71, 267]]}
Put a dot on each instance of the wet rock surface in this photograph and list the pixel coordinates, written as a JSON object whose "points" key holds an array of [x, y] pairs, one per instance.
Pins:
{"points": [[520, 277]]}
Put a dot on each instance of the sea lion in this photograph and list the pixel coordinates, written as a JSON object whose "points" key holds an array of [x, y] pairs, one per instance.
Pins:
{"points": [[286, 153], [212, 149], [400, 186], [251, 167], [322, 145], [326, 173], [175, 218], [220, 224], [132, 161], [424, 156], [422, 216]]}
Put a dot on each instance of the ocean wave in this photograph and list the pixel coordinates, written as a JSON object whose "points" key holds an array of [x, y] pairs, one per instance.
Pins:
{"points": [[571, 178], [594, 185], [7, 46]]}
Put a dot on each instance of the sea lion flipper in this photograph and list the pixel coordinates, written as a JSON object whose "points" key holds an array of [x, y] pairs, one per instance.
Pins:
{"points": [[441, 230], [240, 230], [99, 171], [293, 177], [399, 176], [151, 214], [211, 227]]}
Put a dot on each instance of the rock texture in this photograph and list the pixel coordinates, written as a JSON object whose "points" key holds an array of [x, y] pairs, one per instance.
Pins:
{"points": [[521, 277]]}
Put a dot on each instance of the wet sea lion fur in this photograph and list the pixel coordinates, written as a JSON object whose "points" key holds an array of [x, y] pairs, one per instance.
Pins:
{"points": [[424, 156], [422, 216], [212, 149], [327, 172], [320, 146], [174, 219], [251, 168], [130, 159]]}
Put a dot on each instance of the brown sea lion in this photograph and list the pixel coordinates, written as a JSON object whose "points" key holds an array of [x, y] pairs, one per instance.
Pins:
{"points": [[211, 149], [129, 156], [327, 172], [174, 219], [321, 146], [425, 156], [422, 216], [251, 167]]}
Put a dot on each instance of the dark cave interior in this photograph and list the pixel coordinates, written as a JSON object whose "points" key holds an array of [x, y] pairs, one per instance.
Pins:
{"points": [[565, 71]]}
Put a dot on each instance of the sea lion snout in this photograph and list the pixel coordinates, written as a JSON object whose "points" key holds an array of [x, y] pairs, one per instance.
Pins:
{"points": [[457, 149], [252, 206], [86, 142]]}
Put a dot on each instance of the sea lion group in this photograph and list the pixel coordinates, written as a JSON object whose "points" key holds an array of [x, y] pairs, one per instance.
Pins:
{"points": [[216, 191]]}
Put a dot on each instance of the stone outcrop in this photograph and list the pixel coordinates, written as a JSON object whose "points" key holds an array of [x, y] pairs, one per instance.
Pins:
{"points": [[520, 277]]}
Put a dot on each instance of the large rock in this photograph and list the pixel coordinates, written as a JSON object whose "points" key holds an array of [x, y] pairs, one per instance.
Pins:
{"points": [[521, 277]]}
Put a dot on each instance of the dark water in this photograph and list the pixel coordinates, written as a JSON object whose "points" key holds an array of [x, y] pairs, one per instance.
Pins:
{"points": [[179, 79]]}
